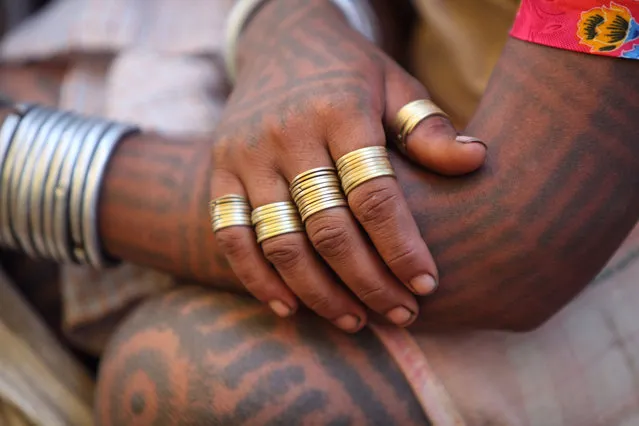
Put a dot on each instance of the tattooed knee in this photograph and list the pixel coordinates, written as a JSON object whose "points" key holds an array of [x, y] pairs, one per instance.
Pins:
{"points": [[211, 358]]}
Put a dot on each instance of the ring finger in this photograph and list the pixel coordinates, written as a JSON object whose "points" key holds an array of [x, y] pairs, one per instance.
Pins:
{"points": [[334, 233], [285, 245]]}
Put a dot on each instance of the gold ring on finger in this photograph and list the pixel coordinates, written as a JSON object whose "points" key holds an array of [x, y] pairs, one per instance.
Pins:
{"points": [[276, 219], [322, 205], [316, 190], [264, 228], [313, 184], [365, 175], [229, 210], [328, 188], [266, 236], [413, 113], [282, 206], [354, 167], [362, 165], [318, 171], [358, 154], [333, 192]]}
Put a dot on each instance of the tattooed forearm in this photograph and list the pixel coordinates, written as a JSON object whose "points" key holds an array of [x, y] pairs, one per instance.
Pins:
{"points": [[161, 187], [214, 359], [520, 238], [513, 242]]}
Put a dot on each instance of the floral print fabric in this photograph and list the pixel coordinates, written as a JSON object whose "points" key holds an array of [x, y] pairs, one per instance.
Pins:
{"points": [[598, 27]]}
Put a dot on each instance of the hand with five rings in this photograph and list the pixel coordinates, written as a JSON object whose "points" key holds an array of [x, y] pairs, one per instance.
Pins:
{"points": [[305, 205]]}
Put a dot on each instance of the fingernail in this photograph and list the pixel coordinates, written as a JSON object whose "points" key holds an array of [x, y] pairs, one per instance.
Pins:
{"points": [[400, 316], [423, 284], [280, 308], [470, 139], [348, 323]]}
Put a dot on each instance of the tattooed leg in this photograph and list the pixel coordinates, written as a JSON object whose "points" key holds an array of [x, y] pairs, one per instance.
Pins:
{"points": [[201, 358]]}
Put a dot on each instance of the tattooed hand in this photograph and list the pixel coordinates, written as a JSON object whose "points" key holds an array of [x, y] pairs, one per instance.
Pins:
{"points": [[513, 242], [309, 90]]}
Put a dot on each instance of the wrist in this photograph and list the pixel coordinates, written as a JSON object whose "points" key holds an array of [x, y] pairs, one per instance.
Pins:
{"points": [[52, 163], [251, 20]]}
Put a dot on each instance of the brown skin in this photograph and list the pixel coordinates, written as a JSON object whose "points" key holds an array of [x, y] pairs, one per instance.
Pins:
{"points": [[555, 199], [312, 92], [513, 242], [545, 226], [204, 358]]}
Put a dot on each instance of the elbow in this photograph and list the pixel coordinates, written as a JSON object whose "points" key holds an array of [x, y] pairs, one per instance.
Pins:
{"points": [[492, 304]]}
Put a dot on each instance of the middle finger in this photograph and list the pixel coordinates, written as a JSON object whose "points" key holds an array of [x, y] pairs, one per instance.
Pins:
{"points": [[336, 236], [280, 233]]}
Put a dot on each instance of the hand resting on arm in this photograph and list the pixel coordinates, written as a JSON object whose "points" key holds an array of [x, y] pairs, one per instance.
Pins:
{"points": [[514, 242]]}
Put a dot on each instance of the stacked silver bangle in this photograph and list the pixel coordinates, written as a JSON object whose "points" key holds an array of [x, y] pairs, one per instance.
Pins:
{"points": [[51, 168]]}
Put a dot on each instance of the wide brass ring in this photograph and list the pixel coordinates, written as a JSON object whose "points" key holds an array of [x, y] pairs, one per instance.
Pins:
{"points": [[316, 190], [413, 113], [362, 165], [272, 220], [229, 210]]}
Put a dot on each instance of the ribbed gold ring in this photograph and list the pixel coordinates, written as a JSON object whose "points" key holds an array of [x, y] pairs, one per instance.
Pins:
{"points": [[316, 190], [272, 220], [413, 113], [229, 210], [368, 152], [362, 165], [274, 209]]}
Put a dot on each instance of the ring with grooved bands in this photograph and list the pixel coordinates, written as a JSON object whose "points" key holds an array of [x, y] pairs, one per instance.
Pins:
{"points": [[411, 114], [229, 210], [362, 165], [317, 190], [272, 220]]}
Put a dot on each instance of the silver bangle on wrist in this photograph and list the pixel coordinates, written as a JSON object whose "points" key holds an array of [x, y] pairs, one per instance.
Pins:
{"points": [[51, 168], [358, 13]]}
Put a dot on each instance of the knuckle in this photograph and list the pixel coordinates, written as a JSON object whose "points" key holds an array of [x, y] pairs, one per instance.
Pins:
{"points": [[319, 303], [330, 236], [372, 294], [231, 242], [437, 126], [274, 125], [334, 104], [220, 150], [254, 285], [404, 255], [348, 105], [376, 206], [282, 252]]}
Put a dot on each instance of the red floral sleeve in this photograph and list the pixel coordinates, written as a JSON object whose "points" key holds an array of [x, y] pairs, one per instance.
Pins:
{"points": [[591, 26]]}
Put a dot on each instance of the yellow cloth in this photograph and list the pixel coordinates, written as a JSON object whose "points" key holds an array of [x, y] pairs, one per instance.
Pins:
{"points": [[455, 47]]}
